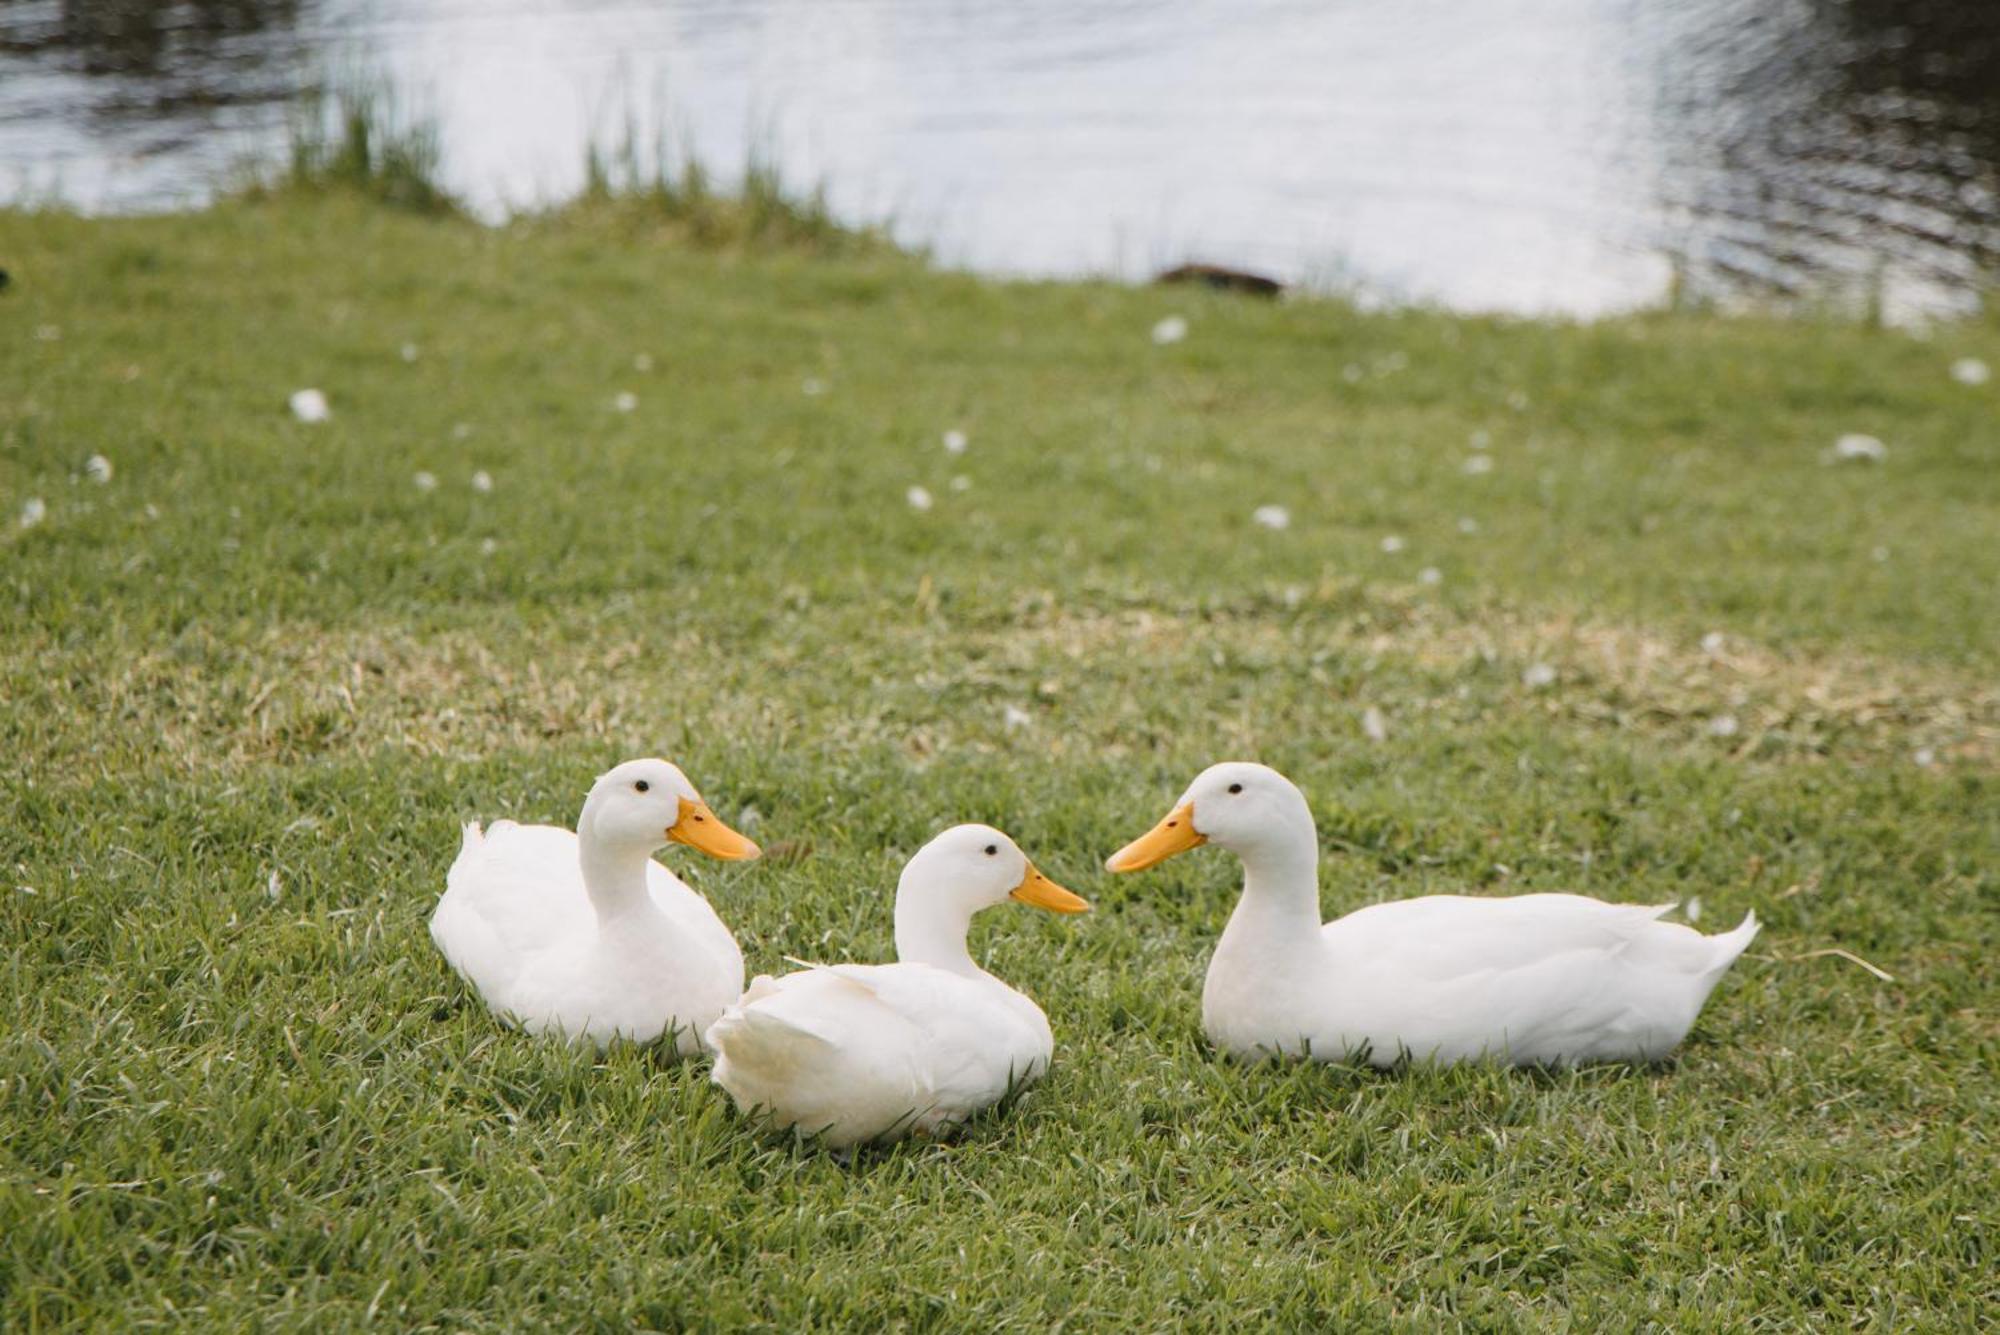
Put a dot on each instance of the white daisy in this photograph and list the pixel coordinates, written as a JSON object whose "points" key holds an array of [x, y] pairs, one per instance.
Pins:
{"points": [[1854, 445], [1373, 725], [309, 405]]}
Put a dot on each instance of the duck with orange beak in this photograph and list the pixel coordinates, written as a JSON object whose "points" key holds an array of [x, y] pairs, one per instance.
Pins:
{"points": [[1546, 979], [583, 934], [849, 1053]]}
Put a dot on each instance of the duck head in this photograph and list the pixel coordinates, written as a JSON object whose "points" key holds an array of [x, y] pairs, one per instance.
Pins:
{"points": [[648, 804], [964, 870], [1251, 810], [974, 867]]}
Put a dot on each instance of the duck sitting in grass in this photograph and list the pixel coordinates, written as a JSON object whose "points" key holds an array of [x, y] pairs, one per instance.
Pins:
{"points": [[854, 1052], [1535, 979], [584, 934]]}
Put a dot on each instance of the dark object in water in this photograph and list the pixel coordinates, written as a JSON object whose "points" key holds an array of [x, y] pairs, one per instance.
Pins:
{"points": [[1223, 279]]}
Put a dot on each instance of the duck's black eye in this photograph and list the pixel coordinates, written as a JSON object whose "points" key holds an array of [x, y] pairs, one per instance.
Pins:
{"points": [[642, 785], [992, 850], [1235, 787]]}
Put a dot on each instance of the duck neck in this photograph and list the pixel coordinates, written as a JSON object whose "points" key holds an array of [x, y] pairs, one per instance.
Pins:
{"points": [[614, 876], [931, 929], [1279, 909]]}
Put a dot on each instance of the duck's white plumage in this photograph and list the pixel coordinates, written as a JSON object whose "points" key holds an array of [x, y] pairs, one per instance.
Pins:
{"points": [[851, 1053], [1533, 979], [584, 934], [870, 1052]]}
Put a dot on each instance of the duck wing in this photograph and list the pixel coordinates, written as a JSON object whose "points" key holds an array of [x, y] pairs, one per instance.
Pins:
{"points": [[1443, 937], [513, 892], [860, 1052], [1539, 978]]}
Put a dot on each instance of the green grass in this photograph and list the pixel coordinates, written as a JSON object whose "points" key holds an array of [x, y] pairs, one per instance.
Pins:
{"points": [[252, 684]]}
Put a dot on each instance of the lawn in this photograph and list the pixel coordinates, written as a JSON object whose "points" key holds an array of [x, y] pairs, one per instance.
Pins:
{"points": [[1660, 647]]}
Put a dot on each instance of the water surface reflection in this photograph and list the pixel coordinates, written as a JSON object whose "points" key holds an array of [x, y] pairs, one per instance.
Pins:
{"points": [[1524, 155]]}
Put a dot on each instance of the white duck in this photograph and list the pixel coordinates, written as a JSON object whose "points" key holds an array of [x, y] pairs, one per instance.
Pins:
{"points": [[583, 934], [1535, 979], [860, 1052]]}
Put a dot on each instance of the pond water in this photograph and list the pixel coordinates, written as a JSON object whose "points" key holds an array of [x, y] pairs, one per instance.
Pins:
{"points": [[1574, 156]]}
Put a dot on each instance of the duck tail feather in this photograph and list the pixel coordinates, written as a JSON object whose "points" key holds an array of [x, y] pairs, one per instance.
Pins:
{"points": [[1731, 944]]}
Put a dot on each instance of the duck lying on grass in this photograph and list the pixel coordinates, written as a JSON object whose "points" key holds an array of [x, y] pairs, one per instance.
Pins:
{"points": [[583, 934], [857, 1052], [1536, 979]]}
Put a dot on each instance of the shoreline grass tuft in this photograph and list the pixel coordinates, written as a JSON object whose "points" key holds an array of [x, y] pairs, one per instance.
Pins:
{"points": [[355, 137], [639, 184]]}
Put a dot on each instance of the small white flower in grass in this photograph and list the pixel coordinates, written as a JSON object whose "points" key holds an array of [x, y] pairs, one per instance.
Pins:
{"points": [[1517, 399], [309, 405], [1373, 725], [1352, 373], [426, 481], [1468, 525], [1480, 440], [1537, 676], [482, 481], [1170, 330], [1274, 517], [1713, 643], [955, 442], [1392, 544], [1293, 595], [461, 430], [409, 351], [152, 510], [1879, 554], [47, 333], [98, 469], [625, 401], [34, 512], [919, 498], [1016, 717], [1430, 575], [961, 483], [1692, 909], [1970, 371], [1723, 725], [812, 387], [488, 546], [1854, 445], [1479, 465], [1924, 756], [643, 362]]}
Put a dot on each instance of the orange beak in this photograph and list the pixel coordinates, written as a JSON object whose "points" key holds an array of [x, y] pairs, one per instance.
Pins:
{"points": [[1043, 893], [699, 828], [1175, 834]]}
